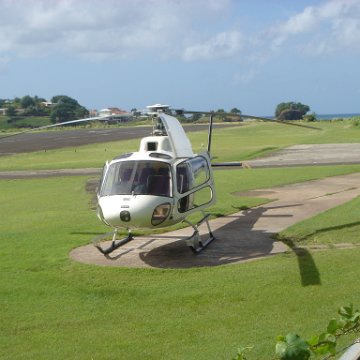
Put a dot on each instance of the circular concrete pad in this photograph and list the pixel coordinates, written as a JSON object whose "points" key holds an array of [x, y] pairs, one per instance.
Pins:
{"points": [[243, 236]]}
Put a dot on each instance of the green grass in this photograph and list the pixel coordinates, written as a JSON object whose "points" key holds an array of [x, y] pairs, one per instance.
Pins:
{"points": [[229, 182], [255, 139], [337, 226], [240, 142], [23, 122], [87, 156], [54, 308]]}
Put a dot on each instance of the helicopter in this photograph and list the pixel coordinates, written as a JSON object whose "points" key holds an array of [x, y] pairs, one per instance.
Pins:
{"points": [[159, 185]]}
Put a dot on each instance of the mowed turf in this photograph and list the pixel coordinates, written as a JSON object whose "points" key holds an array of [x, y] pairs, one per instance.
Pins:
{"points": [[54, 308]]}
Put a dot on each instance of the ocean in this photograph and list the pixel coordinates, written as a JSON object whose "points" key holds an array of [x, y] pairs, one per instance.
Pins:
{"points": [[335, 116], [328, 116]]}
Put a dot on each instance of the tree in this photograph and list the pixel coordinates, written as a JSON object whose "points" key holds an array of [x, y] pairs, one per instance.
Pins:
{"points": [[235, 111], [33, 106], [66, 108], [291, 111], [196, 117], [27, 101], [10, 111], [16, 101], [220, 114]]}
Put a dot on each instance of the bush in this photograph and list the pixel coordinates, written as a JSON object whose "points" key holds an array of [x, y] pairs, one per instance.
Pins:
{"points": [[355, 121], [310, 117], [294, 347]]}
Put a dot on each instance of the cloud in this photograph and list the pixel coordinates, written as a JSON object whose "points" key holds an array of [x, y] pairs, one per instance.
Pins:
{"points": [[245, 77], [101, 28], [322, 29], [202, 30], [222, 45], [331, 27]]}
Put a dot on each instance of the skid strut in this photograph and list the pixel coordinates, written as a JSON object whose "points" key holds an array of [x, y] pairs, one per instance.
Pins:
{"points": [[194, 241], [115, 244]]}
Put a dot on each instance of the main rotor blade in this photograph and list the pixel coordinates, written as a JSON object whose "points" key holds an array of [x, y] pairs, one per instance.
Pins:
{"points": [[279, 121], [181, 112], [101, 118]]}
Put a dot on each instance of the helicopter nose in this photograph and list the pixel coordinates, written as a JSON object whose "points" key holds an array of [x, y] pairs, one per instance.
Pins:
{"points": [[118, 211]]}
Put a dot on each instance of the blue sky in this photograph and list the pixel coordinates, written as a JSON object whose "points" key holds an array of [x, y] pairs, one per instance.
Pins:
{"points": [[195, 54]]}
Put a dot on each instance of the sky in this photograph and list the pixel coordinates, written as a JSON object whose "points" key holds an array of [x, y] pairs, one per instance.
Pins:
{"points": [[192, 54]]}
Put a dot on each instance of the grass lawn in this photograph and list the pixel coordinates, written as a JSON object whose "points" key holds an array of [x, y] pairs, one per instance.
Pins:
{"points": [[337, 226], [54, 308], [23, 122]]}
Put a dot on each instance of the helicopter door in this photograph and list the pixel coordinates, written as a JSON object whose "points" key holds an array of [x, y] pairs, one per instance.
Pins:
{"points": [[194, 184]]}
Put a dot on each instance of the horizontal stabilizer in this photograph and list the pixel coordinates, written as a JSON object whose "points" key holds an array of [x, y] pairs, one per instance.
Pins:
{"points": [[227, 164]]}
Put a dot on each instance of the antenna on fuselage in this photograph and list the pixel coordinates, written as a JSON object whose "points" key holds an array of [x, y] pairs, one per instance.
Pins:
{"points": [[210, 132]]}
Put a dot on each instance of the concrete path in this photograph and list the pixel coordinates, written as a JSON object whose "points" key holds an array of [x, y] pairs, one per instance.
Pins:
{"points": [[243, 236], [310, 154]]}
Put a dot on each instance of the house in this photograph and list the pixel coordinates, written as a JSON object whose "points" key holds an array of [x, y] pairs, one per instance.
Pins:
{"points": [[116, 114], [46, 103], [112, 111]]}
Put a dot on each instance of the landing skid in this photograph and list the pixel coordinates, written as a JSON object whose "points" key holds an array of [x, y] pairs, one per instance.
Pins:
{"points": [[194, 241], [115, 244]]}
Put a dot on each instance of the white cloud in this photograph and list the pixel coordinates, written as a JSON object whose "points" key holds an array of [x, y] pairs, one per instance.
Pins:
{"points": [[190, 30], [303, 22], [222, 45], [332, 26], [326, 28], [101, 28], [246, 76]]}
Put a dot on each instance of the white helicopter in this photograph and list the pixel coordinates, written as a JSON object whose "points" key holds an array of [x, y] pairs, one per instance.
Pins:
{"points": [[159, 185]]}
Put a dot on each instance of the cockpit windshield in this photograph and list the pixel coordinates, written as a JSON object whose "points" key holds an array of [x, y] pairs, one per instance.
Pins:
{"points": [[137, 178]]}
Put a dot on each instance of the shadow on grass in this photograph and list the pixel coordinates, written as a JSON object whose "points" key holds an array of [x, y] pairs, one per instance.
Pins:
{"points": [[309, 272]]}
